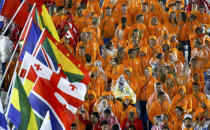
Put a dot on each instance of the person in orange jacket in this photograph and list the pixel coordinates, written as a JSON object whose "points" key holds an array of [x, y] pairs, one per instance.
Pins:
{"points": [[65, 44], [152, 44], [183, 28], [196, 80], [88, 66], [202, 113], [81, 54], [159, 107], [118, 40], [95, 5], [197, 97], [124, 27], [155, 28], [90, 100], [170, 86], [173, 41], [143, 59], [125, 13], [172, 23], [173, 60], [203, 18], [154, 97], [108, 25], [79, 20], [198, 50], [178, 118], [96, 82], [57, 18], [143, 93], [131, 79], [182, 100]]}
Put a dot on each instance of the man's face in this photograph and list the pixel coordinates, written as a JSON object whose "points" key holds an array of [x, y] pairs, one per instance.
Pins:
{"points": [[79, 12], [93, 118], [162, 98], [144, 8], [159, 88], [74, 128], [147, 73], [154, 21], [152, 43], [81, 51], [194, 7], [169, 81], [126, 101], [105, 127], [181, 91], [143, 54], [119, 34], [195, 78], [141, 19], [188, 123], [128, 73], [66, 27], [172, 15], [108, 12], [90, 96], [173, 38], [178, 112], [178, 6], [124, 9]]}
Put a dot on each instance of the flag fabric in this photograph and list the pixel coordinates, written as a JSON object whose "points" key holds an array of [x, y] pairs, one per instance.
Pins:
{"points": [[122, 89], [20, 112], [58, 96], [64, 60], [46, 125], [46, 20], [9, 7], [3, 122], [31, 39]]}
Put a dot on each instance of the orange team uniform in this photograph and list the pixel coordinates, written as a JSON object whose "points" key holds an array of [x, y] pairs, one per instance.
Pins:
{"points": [[183, 31], [95, 5], [91, 48], [132, 81], [116, 8], [80, 23], [178, 121], [155, 30], [108, 26], [171, 91], [196, 99], [122, 42], [111, 72], [134, 64], [147, 88], [97, 84], [204, 19], [158, 109], [143, 61], [185, 102], [193, 36], [125, 31], [200, 112], [171, 27]]}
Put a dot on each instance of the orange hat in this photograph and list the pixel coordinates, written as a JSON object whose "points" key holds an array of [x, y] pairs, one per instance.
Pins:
{"points": [[153, 37], [158, 49], [164, 31], [173, 34], [170, 76], [126, 97], [144, 49], [129, 69]]}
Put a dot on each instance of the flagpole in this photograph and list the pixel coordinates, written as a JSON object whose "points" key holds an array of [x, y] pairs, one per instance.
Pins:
{"points": [[12, 81], [13, 17]]}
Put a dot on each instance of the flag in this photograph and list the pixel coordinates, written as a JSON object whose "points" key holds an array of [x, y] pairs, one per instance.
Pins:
{"points": [[58, 96], [122, 89], [9, 7], [46, 20], [19, 111], [3, 122], [59, 57], [31, 39], [46, 125]]}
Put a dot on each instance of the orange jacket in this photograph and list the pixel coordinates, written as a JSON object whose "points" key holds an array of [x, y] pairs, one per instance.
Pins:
{"points": [[108, 25], [183, 32], [185, 102], [95, 5], [197, 99], [158, 109]]}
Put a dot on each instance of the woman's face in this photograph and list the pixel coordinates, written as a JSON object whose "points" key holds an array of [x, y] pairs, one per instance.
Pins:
{"points": [[172, 15]]}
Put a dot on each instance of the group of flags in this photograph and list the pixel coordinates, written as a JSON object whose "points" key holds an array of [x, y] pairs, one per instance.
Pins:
{"points": [[51, 83]]}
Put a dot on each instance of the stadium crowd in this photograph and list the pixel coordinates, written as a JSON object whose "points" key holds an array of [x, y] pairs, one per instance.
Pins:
{"points": [[146, 60]]}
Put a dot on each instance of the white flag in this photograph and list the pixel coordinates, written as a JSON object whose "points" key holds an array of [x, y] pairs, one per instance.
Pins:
{"points": [[46, 124]]}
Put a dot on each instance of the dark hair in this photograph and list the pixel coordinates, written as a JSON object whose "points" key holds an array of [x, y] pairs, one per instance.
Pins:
{"points": [[107, 111], [88, 127], [130, 51], [145, 3], [132, 126], [184, 16], [175, 20], [79, 8], [116, 60], [60, 8], [73, 125], [124, 5], [81, 47], [193, 16], [96, 114], [180, 108], [123, 20], [195, 83], [107, 8], [115, 127], [104, 123], [88, 58], [139, 16], [158, 83], [160, 94], [108, 45]]}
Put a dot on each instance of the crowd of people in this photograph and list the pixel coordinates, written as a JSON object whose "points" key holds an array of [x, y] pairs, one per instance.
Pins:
{"points": [[146, 60]]}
